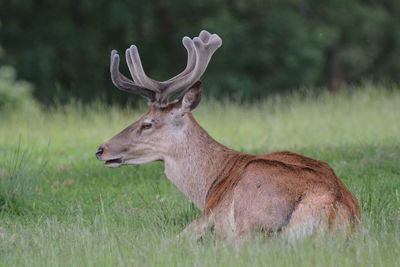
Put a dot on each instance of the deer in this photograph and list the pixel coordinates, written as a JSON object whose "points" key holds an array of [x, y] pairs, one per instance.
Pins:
{"points": [[280, 193]]}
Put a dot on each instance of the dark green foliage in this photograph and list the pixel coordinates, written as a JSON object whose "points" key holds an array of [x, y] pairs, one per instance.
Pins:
{"points": [[63, 46]]}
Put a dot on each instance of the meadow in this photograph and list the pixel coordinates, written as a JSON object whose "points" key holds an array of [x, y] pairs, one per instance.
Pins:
{"points": [[60, 206]]}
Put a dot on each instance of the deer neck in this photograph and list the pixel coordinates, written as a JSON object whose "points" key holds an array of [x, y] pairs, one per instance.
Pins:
{"points": [[196, 161]]}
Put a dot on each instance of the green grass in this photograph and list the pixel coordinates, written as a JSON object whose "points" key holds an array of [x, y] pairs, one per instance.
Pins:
{"points": [[59, 206]]}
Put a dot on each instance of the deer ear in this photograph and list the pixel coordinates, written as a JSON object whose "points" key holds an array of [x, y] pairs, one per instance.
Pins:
{"points": [[191, 98]]}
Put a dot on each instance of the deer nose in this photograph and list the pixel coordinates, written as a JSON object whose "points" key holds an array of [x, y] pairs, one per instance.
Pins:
{"points": [[99, 152]]}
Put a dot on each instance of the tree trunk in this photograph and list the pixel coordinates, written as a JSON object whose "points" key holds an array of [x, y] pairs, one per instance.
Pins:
{"points": [[334, 72]]}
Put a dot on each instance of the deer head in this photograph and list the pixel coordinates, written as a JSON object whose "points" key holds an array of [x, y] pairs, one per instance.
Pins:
{"points": [[161, 129]]}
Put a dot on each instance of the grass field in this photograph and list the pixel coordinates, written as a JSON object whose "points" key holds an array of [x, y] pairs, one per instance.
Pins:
{"points": [[62, 207]]}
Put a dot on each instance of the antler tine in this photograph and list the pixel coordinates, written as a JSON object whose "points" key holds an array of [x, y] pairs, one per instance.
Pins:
{"points": [[123, 83], [136, 69], [204, 52], [191, 54], [204, 35], [130, 65], [205, 46]]}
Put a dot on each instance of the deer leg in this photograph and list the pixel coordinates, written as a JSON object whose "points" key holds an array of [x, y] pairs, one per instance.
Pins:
{"points": [[198, 228], [314, 215]]}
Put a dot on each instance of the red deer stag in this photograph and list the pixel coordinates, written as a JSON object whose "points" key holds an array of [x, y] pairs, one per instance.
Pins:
{"points": [[280, 193]]}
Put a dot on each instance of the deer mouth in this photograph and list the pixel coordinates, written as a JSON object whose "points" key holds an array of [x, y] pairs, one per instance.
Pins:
{"points": [[113, 163]]}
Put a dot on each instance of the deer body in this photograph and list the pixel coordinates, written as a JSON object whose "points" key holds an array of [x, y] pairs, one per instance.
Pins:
{"points": [[239, 194]]}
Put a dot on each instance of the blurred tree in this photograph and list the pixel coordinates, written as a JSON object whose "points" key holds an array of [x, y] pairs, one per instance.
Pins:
{"points": [[269, 45]]}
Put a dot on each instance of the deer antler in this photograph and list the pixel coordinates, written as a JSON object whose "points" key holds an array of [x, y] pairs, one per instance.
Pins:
{"points": [[123, 83], [199, 52]]}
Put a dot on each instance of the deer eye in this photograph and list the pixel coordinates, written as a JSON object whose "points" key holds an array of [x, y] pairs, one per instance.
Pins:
{"points": [[145, 126]]}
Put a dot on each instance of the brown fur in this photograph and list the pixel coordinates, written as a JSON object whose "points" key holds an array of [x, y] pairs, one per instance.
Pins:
{"points": [[308, 176]]}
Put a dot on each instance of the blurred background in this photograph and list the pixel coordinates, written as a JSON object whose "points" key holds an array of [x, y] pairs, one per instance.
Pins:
{"points": [[61, 48], [315, 77]]}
